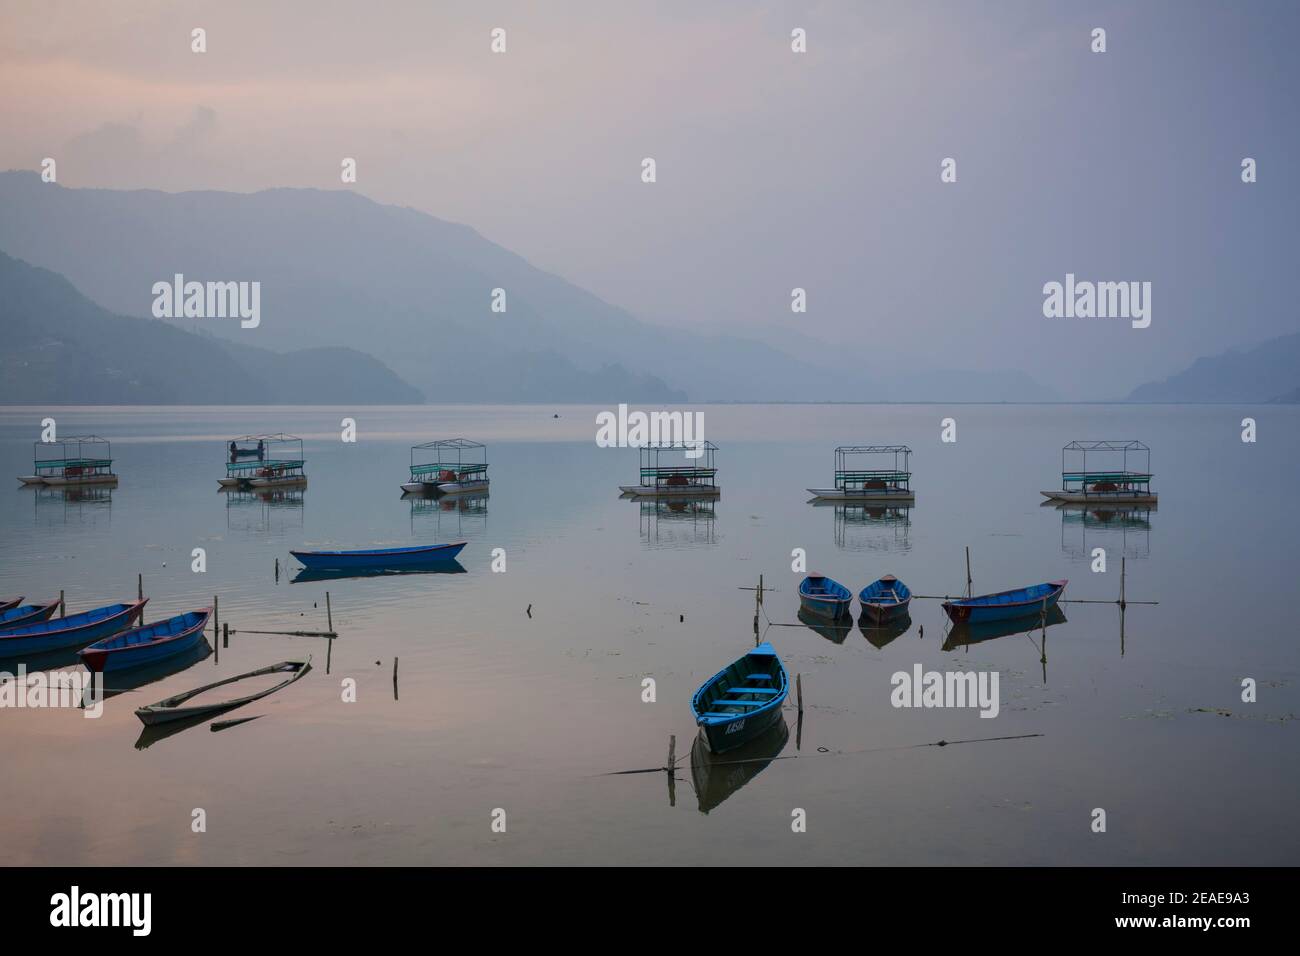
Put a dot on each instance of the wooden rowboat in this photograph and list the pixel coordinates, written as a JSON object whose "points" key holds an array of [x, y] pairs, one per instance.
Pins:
{"points": [[378, 558], [885, 599], [824, 597], [742, 700], [149, 644], [1005, 605], [26, 614], [75, 630], [170, 709]]}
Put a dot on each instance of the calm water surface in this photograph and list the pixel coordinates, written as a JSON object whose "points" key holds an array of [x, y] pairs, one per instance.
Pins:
{"points": [[496, 709]]}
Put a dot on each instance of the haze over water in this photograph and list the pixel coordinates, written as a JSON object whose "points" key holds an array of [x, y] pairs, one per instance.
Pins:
{"points": [[496, 709]]}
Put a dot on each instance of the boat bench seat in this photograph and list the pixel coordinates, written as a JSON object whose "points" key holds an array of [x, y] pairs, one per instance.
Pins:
{"points": [[729, 716], [751, 690], [758, 677]]}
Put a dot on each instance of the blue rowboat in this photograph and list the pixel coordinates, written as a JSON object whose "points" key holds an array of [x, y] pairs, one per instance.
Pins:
{"points": [[383, 558], [27, 614], [1005, 605], [820, 595], [10, 603], [885, 599], [75, 630], [742, 700], [148, 644]]}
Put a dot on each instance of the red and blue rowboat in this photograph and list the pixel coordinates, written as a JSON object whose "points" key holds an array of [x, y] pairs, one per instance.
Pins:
{"points": [[885, 599], [1005, 605], [75, 630], [26, 614], [741, 701], [820, 595], [379, 558], [149, 644]]}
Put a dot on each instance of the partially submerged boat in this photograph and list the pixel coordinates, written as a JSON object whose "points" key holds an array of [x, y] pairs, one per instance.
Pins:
{"points": [[742, 700], [73, 631], [857, 484], [264, 462], [885, 599], [450, 466], [80, 460], [26, 614], [1005, 605], [379, 558], [172, 708], [148, 644], [662, 477], [824, 597], [1119, 474]]}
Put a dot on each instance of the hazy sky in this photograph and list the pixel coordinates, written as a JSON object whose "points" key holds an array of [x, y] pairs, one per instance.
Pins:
{"points": [[775, 169]]}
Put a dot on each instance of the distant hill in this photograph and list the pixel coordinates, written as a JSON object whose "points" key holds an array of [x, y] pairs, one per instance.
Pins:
{"points": [[61, 348], [1259, 374]]}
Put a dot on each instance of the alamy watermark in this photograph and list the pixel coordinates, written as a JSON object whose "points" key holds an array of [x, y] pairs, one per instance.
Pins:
{"points": [[179, 299], [637, 429], [947, 689], [45, 689], [1099, 300]]}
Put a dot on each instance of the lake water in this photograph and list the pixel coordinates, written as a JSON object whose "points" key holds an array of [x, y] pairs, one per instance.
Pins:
{"points": [[497, 709]]}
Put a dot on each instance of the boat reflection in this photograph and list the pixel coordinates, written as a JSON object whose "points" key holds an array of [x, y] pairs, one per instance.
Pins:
{"points": [[263, 510], [82, 503], [870, 527], [878, 635], [833, 631], [963, 635], [717, 776], [1124, 528], [307, 575], [676, 522], [441, 516]]}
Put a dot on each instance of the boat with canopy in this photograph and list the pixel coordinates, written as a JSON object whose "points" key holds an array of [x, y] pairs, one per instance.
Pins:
{"points": [[81, 460], [676, 470], [449, 466], [1101, 472], [263, 462], [857, 482]]}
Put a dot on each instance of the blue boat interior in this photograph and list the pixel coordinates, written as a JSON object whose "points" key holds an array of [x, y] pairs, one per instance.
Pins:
{"points": [[151, 633], [743, 687], [1034, 592], [819, 586], [18, 613], [71, 621], [885, 591]]}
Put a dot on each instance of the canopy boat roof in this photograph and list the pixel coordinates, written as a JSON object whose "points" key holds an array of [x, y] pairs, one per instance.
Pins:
{"points": [[86, 451]]}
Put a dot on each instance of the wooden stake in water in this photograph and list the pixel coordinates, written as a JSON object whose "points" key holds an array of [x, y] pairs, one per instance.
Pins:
{"points": [[968, 577], [329, 616], [672, 753], [216, 619], [277, 570], [225, 634], [60, 602], [798, 689], [1123, 573], [139, 587]]}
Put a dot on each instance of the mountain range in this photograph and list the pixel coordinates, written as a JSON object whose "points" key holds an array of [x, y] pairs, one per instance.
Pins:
{"points": [[1263, 373]]}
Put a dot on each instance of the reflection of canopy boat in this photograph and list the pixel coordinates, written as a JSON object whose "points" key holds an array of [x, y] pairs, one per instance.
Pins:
{"points": [[717, 778], [824, 597], [742, 700], [1005, 605], [695, 479], [869, 484], [885, 599], [835, 633], [273, 461], [964, 634], [452, 466], [82, 460], [1107, 484], [878, 635], [170, 709]]}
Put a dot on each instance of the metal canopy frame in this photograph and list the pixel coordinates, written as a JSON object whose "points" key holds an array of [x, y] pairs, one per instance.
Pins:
{"points": [[1124, 478], [855, 479], [701, 473], [84, 460], [467, 457], [281, 466]]}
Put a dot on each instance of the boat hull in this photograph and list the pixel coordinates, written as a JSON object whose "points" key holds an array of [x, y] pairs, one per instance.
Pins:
{"points": [[462, 487], [1008, 605], [885, 600], [300, 482], [118, 653], [674, 491], [825, 607], [78, 630], [886, 613], [419, 487], [59, 482], [27, 614], [823, 597], [170, 710], [1102, 498], [380, 559], [866, 495], [725, 721]]}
